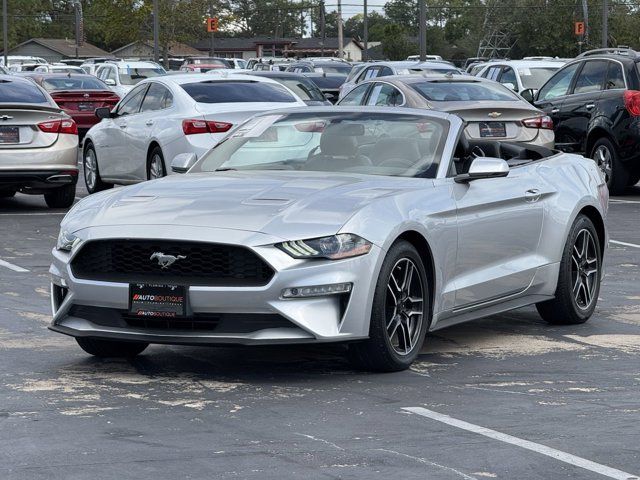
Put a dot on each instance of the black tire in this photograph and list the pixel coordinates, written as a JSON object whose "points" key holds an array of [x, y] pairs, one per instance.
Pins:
{"points": [[94, 184], [156, 152], [634, 178], [61, 197], [111, 348], [615, 171], [566, 307], [378, 353]]}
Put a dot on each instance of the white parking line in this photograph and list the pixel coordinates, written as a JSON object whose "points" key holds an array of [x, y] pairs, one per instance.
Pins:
{"points": [[534, 447], [13, 267], [615, 200], [31, 214], [624, 243]]}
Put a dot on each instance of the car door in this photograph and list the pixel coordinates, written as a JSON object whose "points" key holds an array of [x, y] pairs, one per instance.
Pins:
{"points": [[120, 143], [552, 94], [499, 228], [357, 96], [508, 78], [384, 95], [580, 106]]}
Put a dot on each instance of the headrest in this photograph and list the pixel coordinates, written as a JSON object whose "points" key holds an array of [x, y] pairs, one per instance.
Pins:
{"points": [[405, 148], [333, 142]]}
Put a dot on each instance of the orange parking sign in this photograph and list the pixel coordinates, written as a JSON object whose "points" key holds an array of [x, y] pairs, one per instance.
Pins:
{"points": [[579, 28], [212, 24]]}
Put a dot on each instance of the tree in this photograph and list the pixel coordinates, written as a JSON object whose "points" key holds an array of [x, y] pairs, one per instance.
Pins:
{"points": [[395, 44]]}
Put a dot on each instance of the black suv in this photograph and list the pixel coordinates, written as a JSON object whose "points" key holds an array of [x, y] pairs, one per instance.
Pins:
{"points": [[594, 102]]}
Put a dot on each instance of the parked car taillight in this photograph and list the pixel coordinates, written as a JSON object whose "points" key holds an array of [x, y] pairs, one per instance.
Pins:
{"points": [[193, 127], [543, 122], [632, 102], [59, 126]]}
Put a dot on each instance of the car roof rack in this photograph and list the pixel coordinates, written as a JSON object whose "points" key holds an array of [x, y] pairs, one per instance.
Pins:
{"points": [[622, 50]]}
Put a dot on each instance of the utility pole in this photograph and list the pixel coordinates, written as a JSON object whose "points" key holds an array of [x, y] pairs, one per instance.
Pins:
{"points": [[77, 6], [322, 29], [365, 33], [605, 23], [211, 51], [585, 17], [423, 30], [340, 37], [156, 32], [5, 32]]}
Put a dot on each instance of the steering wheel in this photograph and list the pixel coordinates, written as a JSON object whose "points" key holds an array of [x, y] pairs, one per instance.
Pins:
{"points": [[477, 151]]}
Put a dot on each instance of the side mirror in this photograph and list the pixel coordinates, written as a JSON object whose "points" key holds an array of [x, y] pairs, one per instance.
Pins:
{"points": [[110, 81], [484, 167], [331, 97], [528, 95], [182, 162], [103, 112], [510, 86]]}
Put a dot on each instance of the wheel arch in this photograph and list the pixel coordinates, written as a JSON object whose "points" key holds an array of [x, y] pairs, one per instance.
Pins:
{"points": [[424, 250], [596, 134], [593, 214]]}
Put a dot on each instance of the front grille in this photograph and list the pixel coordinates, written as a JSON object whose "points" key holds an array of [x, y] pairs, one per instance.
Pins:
{"points": [[208, 264]]}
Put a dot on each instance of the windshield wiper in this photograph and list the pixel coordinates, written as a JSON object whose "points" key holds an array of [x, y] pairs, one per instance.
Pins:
{"points": [[225, 169]]}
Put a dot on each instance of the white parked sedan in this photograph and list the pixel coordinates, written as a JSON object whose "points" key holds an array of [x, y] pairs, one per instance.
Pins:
{"points": [[122, 76], [166, 116]]}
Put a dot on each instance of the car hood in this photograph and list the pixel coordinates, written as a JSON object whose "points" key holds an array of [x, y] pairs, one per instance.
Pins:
{"points": [[288, 205]]}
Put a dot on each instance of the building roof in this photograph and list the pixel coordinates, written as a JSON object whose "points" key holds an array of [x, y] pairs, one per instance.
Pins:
{"points": [[176, 49], [241, 43], [65, 47]]}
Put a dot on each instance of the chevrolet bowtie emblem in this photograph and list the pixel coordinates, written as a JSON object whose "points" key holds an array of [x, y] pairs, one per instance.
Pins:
{"points": [[494, 114]]}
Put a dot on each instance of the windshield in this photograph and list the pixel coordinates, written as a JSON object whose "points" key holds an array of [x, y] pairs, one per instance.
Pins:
{"points": [[306, 90], [131, 76], [373, 143], [71, 83], [463, 91], [236, 92], [536, 77], [343, 69]]}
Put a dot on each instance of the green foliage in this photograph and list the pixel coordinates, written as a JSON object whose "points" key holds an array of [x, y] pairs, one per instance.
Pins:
{"points": [[395, 44]]}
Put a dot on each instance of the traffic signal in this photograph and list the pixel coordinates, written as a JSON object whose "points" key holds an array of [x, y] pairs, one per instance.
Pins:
{"points": [[212, 24]]}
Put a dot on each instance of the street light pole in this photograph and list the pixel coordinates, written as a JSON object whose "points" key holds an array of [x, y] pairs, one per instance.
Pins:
{"points": [[340, 37], [605, 23], [423, 30], [5, 32], [365, 33], [156, 32]]}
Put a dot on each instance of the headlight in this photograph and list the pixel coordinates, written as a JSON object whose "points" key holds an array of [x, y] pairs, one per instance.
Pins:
{"points": [[335, 247], [66, 241]]}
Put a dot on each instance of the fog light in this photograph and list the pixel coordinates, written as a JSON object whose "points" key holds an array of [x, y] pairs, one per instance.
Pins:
{"points": [[317, 290]]}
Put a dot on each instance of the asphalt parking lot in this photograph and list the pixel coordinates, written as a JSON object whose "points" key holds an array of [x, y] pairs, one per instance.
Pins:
{"points": [[555, 402]]}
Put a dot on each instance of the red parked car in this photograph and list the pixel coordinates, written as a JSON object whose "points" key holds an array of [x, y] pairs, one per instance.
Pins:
{"points": [[203, 64], [78, 95]]}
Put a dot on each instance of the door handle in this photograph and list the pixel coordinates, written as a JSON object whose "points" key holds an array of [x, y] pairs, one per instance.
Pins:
{"points": [[590, 106], [149, 123], [123, 125], [532, 195], [555, 110]]}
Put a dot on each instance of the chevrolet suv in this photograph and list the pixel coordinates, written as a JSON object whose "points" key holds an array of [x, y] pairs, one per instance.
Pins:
{"points": [[594, 102]]}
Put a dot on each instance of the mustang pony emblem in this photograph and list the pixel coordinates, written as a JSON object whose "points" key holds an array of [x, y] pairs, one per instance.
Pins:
{"points": [[165, 261], [494, 114]]}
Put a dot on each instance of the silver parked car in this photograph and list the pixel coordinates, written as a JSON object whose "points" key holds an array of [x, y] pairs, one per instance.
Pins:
{"points": [[38, 144], [491, 111], [363, 225], [165, 116]]}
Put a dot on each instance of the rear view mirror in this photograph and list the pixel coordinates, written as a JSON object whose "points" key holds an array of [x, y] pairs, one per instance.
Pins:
{"points": [[183, 162], [484, 167], [103, 112], [528, 95]]}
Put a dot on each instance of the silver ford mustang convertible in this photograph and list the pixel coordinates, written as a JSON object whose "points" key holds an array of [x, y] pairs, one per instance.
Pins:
{"points": [[363, 225]]}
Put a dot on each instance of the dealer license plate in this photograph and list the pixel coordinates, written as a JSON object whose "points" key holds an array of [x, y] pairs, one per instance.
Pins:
{"points": [[493, 129], [9, 135], [158, 301]]}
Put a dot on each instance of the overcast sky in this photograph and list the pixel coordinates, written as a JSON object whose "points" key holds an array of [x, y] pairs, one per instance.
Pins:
{"points": [[352, 7]]}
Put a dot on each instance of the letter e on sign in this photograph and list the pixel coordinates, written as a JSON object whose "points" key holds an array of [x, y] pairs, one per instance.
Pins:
{"points": [[212, 24], [579, 28]]}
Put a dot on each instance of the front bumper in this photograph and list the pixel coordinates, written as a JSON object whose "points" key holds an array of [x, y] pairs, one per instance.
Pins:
{"points": [[331, 318]]}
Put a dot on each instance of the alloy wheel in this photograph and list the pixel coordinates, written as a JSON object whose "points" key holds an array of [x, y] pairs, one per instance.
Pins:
{"points": [[604, 160], [90, 169], [404, 306], [584, 269], [156, 168]]}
